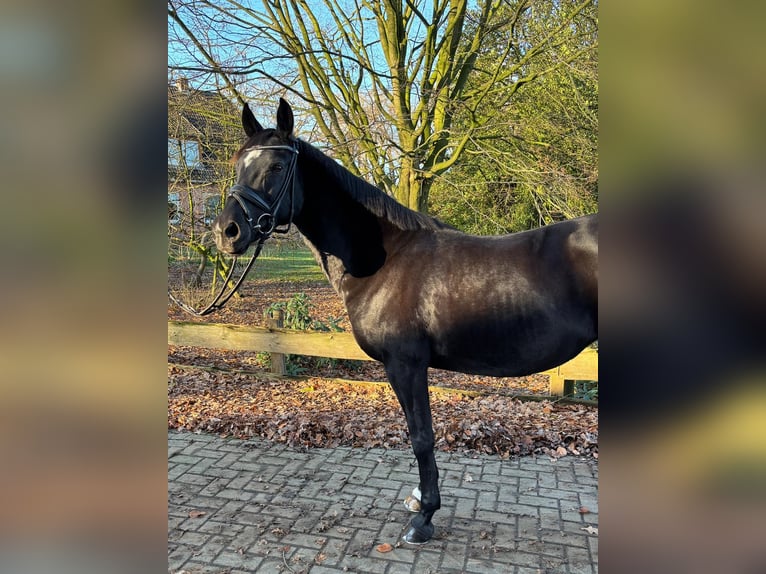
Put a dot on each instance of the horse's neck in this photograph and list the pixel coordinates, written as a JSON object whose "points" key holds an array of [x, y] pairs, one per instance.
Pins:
{"points": [[343, 235]]}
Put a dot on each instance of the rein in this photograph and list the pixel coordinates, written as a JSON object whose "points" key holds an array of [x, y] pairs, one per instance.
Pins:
{"points": [[220, 300], [263, 227]]}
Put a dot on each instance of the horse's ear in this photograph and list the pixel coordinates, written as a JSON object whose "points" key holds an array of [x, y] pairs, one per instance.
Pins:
{"points": [[285, 117], [249, 122]]}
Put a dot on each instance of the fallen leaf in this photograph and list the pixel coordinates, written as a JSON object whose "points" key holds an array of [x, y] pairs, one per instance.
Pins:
{"points": [[527, 441], [590, 530], [196, 513], [385, 547], [584, 510]]}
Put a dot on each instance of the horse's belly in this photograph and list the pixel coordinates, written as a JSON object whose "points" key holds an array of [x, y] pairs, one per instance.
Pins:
{"points": [[500, 365], [508, 356], [493, 368]]}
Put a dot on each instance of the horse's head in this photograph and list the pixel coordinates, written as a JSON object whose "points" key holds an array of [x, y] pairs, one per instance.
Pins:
{"points": [[266, 196]]}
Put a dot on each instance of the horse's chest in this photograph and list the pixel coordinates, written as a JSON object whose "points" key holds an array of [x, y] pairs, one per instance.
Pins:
{"points": [[383, 313], [383, 310]]}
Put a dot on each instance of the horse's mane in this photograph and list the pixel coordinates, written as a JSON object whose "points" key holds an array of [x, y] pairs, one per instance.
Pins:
{"points": [[372, 198]]}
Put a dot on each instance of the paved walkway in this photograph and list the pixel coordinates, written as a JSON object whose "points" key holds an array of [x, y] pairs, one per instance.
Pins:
{"points": [[255, 506]]}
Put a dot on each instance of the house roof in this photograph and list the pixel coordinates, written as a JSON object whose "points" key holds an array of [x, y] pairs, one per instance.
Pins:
{"points": [[206, 117], [201, 115], [200, 173]]}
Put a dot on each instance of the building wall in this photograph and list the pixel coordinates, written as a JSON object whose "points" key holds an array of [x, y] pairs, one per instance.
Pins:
{"points": [[205, 200]]}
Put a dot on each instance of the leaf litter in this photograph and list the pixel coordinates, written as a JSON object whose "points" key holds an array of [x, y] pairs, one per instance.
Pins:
{"points": [[316, 412]]}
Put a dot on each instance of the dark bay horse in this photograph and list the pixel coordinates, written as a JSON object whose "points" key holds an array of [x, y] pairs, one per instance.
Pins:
{"points": [[418, 293]]}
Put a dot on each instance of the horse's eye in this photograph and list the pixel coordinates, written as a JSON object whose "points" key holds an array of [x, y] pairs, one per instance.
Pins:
{"points": [[276, 167]]}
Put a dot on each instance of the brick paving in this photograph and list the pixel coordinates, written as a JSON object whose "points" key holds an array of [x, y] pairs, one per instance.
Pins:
{"points": [[254, 506]]}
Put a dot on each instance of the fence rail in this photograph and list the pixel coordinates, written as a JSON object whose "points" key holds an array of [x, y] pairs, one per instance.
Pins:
{"points": [[337, 346]]}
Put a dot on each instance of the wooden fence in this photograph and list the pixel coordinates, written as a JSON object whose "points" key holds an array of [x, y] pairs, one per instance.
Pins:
{"points": [[280, 342]]}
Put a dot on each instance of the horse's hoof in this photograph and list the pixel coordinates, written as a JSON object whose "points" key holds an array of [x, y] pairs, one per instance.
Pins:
{"points": [[412, 504], [419, 535]]}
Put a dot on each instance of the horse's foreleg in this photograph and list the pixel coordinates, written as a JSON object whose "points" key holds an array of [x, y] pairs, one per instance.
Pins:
{"points": [[411, 387]]}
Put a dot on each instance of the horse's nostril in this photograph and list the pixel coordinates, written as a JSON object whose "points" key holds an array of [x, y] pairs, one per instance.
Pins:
{"points": [[232, 230]]}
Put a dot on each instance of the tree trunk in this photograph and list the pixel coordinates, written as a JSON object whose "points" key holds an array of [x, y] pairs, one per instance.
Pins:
{"points": [[412, 190]]}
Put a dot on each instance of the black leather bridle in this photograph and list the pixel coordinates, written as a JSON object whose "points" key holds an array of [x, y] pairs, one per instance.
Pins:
{"points": [[262, 226], [265, 224]]}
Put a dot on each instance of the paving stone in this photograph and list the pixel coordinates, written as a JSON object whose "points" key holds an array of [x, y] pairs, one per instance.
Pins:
{"points": [[466, 506], [575, 486], [565, 538], [486, 500], [550, 518], [453, 556], [476, 566], [526, 559], [324, 511], [539, 500], [425, 561], [579, 560]]}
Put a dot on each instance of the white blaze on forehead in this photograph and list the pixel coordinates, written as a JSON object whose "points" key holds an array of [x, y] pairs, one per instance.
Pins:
{"points": [[250, 156]]}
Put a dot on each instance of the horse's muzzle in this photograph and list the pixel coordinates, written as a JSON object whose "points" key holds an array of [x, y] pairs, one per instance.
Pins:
{"points": [[231, 237]]}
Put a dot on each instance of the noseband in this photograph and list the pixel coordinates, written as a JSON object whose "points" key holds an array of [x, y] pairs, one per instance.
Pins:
{"points": [[266, 223]]}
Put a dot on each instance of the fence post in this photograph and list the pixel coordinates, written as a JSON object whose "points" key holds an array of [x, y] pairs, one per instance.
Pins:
{"points": [[275, 320], [560, 387]]}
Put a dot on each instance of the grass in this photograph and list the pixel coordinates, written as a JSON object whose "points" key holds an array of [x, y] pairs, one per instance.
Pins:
{"points": [[286, 262], [278, 261]]}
